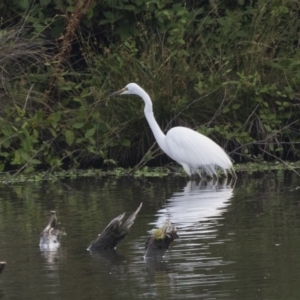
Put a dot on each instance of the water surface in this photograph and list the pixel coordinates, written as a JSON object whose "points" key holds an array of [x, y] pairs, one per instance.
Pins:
{"points": [[237, 242]]}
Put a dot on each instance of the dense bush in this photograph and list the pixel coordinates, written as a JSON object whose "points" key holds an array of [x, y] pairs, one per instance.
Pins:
{"points": [[227, 69]]}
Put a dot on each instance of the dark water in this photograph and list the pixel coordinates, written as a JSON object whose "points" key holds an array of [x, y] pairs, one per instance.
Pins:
{"points": [[241, 243]]}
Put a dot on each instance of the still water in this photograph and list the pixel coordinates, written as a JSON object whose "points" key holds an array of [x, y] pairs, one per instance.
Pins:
{"points": [[239, 242]]}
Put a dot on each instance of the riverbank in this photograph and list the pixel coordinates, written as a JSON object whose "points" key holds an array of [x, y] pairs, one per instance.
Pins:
{"points": [[145, 172]]}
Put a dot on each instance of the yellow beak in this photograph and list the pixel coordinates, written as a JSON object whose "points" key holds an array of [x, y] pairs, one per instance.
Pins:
{"points": [[117, 92]]}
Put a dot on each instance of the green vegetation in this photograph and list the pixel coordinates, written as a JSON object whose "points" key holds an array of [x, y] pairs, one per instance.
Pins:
{"points": [[230, 71], [144, 172], [158, 233]]}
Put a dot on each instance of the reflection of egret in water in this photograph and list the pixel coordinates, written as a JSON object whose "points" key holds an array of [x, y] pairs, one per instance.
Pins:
{"points": [[197, 208], [197, 213]]}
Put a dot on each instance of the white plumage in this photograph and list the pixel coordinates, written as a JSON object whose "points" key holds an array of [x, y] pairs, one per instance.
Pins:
{"points": [[194, 151]]}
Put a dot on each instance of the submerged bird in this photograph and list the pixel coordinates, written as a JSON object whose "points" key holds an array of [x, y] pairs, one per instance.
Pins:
{"points": [[194, 151], [114, 232], [158, 243], [2, 266], [50, 236]]}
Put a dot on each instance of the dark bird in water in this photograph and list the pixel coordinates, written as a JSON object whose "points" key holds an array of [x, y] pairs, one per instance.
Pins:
{"points": [[2, 266], [50, 236], [114, 232], [158, 243]]}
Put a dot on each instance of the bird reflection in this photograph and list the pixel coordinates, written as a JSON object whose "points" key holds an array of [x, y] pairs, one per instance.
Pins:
{"points": [[196, 211], [198, 202]]}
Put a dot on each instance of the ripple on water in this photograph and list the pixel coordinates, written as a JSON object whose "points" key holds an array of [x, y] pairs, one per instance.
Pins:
{"points": [[188, 266]]}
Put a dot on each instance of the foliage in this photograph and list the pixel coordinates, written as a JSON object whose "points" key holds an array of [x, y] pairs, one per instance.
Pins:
{"points": [[230, 71]]}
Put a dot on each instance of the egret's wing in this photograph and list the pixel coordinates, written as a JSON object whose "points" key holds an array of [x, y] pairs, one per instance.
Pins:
{"points": [[196, 150]]}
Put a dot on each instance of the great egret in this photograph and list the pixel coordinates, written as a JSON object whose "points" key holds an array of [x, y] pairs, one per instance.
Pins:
{"points": [[194, 151]]}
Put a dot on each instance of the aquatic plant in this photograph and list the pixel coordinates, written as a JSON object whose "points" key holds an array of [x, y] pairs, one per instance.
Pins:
{"points": [[160, 239]]}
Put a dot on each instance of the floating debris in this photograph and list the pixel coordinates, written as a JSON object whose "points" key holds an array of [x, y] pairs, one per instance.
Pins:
{"points": [[158, 243], [114, 232], [50, 236], [2, 266]]}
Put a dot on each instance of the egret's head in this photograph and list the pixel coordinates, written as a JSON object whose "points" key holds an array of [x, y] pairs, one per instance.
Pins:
{"points": [[130, 88]]}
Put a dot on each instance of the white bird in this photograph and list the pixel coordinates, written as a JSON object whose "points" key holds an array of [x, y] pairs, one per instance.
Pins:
{"points": [[193, 150]]}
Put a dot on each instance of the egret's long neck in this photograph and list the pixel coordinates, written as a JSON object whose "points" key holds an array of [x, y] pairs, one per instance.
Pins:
{"points": [[148, 110]]}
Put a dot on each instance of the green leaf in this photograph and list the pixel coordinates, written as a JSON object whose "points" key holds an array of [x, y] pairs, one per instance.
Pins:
{"points": [[71, 9], [69, 134], [236, 106], [108, 14], [90, 132], [55, 117], [125, 142], [24, 155], [79, 140], [77, 125], [5, 154], [267, 127], [35, 133], [92, 141], [39, 116], [24, 4], [96, 114], [5, 142], [27, 145], [54, 134], [35, 161], [29, 169], [110, 161], [102, 127]]}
